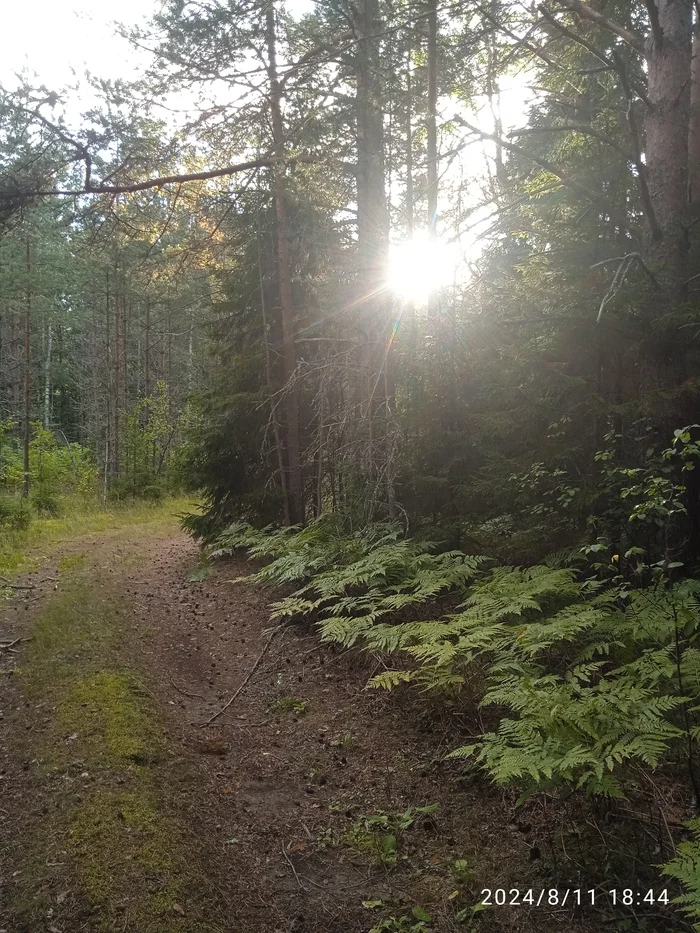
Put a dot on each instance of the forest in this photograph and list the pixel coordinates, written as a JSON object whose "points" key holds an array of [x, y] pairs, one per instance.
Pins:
{"points": [[360, 333]]}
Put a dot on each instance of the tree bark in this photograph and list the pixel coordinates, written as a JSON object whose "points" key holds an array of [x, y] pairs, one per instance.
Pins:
{"points": [[117, 384], [147, 367], [372, 213], [694, 135], [667, 140], [27, 372], [432, 163], [47, 377], [294, 485]]}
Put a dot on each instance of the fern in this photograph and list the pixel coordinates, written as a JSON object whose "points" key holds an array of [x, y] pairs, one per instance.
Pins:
{"points": [[585, 678], [685, 867]]}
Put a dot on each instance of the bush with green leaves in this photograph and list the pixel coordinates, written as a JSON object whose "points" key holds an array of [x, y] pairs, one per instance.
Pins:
{"points": [[149, 467], [57, 468]]}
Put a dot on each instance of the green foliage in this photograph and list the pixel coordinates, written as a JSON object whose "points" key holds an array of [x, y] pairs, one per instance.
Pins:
{"points": [[379, 834], [415, 922], [590, 678], [685, 868], [15, 514], [150, 467]]}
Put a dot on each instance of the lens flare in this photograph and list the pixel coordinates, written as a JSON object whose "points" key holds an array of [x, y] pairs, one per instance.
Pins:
{"points": [[421, 266]]}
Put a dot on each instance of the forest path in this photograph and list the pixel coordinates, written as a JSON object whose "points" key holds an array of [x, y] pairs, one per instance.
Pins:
{"points": [[121, 812]]}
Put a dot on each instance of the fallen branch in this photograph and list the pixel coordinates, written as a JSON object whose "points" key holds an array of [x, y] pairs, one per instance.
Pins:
{"points": [[5, 583], [9, 645], [185, 693], [291, 865], [245, 681]]}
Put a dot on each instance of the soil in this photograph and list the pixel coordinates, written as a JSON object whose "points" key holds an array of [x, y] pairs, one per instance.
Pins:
{"points": [[270, 796]]}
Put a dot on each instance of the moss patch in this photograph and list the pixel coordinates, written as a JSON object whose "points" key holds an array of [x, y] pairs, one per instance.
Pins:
{"points": [[111, 836], [132, 864], [71, 562], [108, 714]]}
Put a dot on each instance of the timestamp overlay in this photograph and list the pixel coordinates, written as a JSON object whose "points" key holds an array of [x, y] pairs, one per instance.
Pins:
{"points": [[574, 897]]}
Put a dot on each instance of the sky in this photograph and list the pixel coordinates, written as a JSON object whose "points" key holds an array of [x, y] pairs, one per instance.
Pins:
{"points": [[59, 39]]}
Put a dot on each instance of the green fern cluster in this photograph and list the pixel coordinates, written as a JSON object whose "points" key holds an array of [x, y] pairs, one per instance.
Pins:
{"points": [[590, 681], [352, 580], [685, 868]]}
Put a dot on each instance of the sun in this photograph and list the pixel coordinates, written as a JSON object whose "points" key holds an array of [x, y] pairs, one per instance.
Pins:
{"points": [[420, 266]]}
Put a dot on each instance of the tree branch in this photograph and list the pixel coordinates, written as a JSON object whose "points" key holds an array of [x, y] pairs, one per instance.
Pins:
{"points": [[656, 30], [576, 128], [543, 163], [153, 182], [631, 38], [649, 211], [616, 64]]}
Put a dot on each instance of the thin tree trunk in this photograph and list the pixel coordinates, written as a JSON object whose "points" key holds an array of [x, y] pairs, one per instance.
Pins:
{"points": [[268, 376], [117, 384], [694, 135], [409, 150], [108, 383], [47, 377], [372, 215], [431, 127], [27, 372], [147, 375], [295, 492]]}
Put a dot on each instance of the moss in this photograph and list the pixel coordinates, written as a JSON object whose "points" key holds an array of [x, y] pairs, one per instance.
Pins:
{"points": [[71, 562], [106, 711], [120, 847], [127, 850]]}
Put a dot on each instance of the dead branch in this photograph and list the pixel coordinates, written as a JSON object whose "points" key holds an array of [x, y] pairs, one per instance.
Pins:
{"points": [[6, 584], [587, 12], [9, 645], [291, 865], [543, 163], [246, 679], [266, 162], [186, 693], [620, 275]]}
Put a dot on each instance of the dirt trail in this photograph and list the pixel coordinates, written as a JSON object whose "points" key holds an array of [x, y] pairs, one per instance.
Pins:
{"points": [[250, 824]]}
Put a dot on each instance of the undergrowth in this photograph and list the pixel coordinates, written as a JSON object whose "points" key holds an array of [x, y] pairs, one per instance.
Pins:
{"points": [[591, 681]]}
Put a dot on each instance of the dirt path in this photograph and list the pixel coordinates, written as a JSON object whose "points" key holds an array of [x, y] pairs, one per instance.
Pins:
{"points": [[121, 812]]}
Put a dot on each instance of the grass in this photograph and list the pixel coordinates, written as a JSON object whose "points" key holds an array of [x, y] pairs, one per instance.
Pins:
{"points": [[111, 837], [20, 550]]}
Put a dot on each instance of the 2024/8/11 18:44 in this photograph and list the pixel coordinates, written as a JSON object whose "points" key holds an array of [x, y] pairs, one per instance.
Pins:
{"points": [[574, 897]]}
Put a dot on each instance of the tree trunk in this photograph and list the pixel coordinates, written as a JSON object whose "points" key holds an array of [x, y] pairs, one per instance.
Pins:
{"points": [[47, 377], [117, 384], [295, 490], [409, 150], [694, 136], [372, 213], [667, 133], [432, 164], [147, 374], [27, 372]]}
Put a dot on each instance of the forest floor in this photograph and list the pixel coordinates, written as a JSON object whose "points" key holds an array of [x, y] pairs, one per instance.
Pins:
{"points": [[293, 811]]}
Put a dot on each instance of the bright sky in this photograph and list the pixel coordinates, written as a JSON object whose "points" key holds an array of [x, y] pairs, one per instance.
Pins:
{"points": [[59, 39]]}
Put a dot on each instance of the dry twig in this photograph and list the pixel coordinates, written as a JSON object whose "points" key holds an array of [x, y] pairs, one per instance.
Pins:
{"points": [[245, 681]]}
